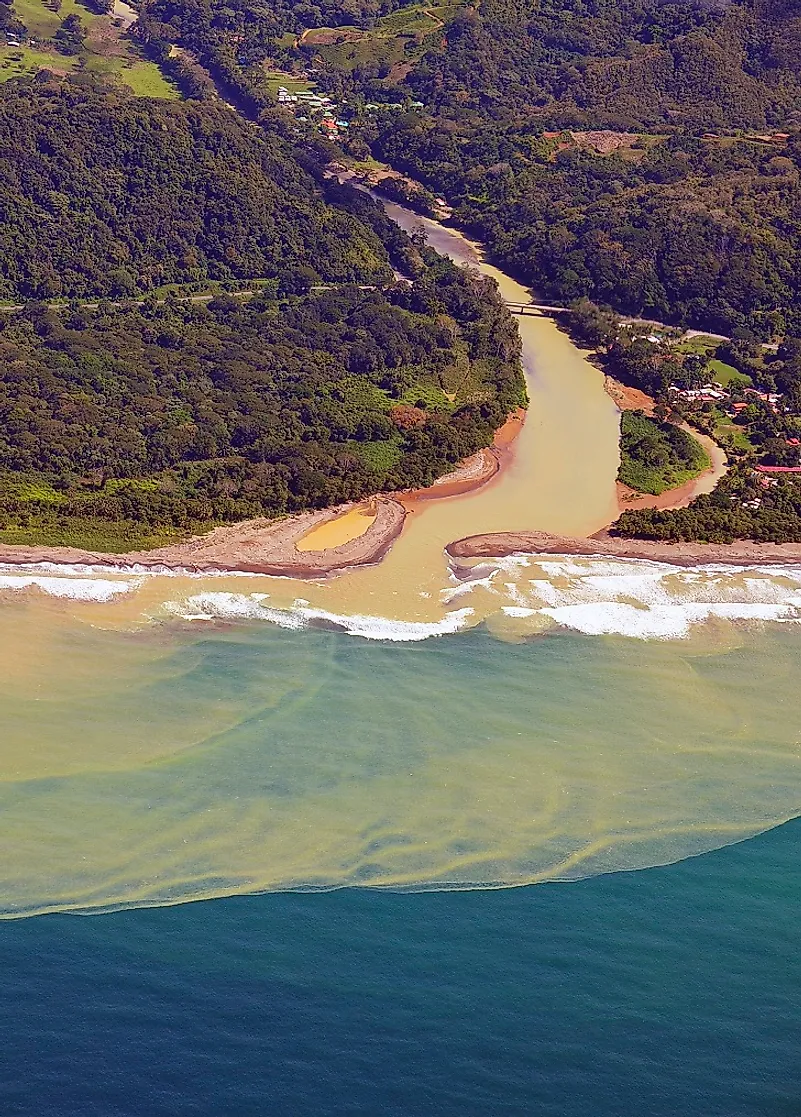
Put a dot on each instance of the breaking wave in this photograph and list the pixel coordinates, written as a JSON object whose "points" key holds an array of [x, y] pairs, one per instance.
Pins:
{"points": [[239, 606], [635, 598], [66, 584]]}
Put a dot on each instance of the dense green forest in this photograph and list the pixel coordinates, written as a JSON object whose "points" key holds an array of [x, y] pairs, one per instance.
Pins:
{"points": [[679, 220], [105, 194], [656, 456], [686, 230], [121, 426]]}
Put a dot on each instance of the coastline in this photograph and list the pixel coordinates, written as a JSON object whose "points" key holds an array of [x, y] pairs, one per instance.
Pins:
{"points": [[251, 547], [502, 544]]}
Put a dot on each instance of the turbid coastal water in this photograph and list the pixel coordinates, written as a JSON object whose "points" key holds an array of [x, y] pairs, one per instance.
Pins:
{"points": [[170, 738]]}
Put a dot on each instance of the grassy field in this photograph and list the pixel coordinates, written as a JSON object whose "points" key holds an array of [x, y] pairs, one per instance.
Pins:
{"points": [[276, 78], [723, 374], [42, 23], [400, 37], [20, 62], [728, 433], [144, 78], [107, 50], [726, 374]]}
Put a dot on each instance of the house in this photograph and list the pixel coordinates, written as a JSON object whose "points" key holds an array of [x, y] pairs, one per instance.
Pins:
{"points": [[778, 469]]}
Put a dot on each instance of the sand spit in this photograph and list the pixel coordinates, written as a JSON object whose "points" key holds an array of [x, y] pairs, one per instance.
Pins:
{"points": [[470, 474], [253, 547], [474, 472], [502, 544]]}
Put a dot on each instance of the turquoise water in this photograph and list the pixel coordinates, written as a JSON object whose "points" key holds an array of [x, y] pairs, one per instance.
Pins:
{"points": [[165, 763], [670, 992]]}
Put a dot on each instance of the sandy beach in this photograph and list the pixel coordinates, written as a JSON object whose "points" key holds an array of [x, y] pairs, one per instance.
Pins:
{"points": [[253, 547], [270, 547], [501, 544]]}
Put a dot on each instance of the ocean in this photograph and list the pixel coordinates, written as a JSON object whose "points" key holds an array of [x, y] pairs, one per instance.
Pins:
{"points": [[667, 992]]}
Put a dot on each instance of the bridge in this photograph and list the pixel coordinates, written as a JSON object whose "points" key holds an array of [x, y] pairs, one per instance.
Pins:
{"points": [[525, 309]]}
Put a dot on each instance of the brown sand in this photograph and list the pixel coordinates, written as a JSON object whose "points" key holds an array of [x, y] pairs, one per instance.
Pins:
{"points": [[742, 553], [628, 399], [473, 472], [632, 399], [270, 546], [255, 547]]}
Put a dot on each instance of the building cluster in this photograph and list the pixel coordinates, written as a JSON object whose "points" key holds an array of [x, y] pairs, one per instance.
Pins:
{"points": [[713, 393], [325, 113], [308, 105]]}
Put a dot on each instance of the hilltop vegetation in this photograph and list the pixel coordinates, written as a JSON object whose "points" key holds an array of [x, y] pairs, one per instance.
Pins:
{"points": [[123, 424], [120, 426], [673, 225], [104, 194]]}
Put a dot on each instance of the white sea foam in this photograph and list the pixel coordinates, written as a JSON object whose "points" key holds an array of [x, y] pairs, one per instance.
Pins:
{"points": [[660, 622], [77, 589], [105, 570], [642, 599], [237, 606]]}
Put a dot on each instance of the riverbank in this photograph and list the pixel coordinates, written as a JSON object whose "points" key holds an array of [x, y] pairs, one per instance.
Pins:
{"points": [[627, 398], [502, 544], [252, 547], [474, 472]]}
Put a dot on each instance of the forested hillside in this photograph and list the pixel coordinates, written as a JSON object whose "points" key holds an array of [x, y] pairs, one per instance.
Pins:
{"points": [[676, 218], [119, 426], [633, 64], [105, 194]]}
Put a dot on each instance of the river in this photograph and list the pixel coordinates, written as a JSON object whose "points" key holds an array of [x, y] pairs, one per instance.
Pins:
{"points": [[171, 738]]}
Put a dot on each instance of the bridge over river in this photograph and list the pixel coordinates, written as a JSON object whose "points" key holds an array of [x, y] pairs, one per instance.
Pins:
{"points": [[523, 309]]}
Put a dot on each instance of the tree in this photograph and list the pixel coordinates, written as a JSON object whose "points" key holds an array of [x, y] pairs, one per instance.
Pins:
{"points": [[71, 35]]}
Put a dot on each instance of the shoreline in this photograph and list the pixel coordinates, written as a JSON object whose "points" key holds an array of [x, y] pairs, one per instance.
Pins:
{"points": [[503, 544], [626, 398], [252, 547]]}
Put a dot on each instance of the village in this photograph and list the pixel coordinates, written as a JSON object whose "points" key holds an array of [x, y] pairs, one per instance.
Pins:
{"points": [[333, 120]]}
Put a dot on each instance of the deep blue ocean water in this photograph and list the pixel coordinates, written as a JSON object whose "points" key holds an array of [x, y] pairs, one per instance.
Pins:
{"points": [[671, 992]]}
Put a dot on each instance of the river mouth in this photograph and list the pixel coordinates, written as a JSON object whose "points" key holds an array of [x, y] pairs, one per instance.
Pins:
{"points": [[174, 736]]}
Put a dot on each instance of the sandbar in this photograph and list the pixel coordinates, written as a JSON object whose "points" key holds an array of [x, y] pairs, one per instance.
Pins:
{"points": [[253, 547], [501, 544]]}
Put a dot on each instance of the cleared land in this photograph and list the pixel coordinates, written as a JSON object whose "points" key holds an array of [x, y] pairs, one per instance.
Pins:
{"points": [[107, 50], [397, 40], [724, 374]]}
